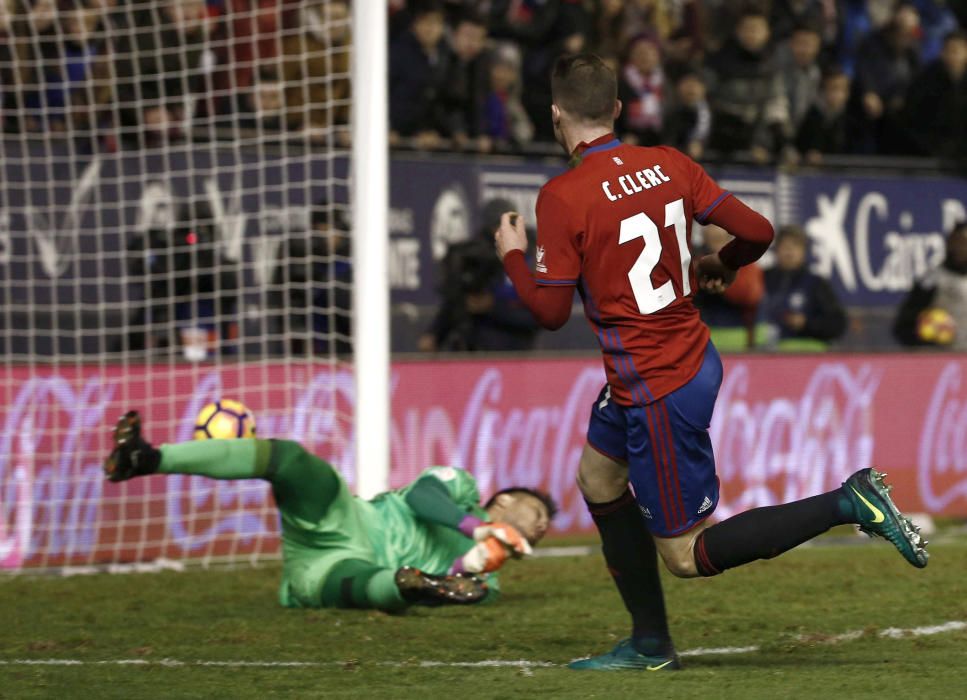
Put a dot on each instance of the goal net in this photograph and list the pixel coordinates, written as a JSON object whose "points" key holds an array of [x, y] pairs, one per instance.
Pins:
{"points": [[175, 228]]}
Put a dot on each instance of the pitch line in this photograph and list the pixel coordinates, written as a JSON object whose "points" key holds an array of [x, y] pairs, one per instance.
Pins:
{"points": [[889, 633]]}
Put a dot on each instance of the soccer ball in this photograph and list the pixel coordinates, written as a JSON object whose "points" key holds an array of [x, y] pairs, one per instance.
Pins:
{"points": [[224, 419], [936, 326]]}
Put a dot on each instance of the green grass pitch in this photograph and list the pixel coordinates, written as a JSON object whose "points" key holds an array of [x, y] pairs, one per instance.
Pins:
{"points": [[172, 625]]}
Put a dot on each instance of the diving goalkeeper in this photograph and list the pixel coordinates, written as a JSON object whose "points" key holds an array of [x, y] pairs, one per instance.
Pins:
{"points": [[430, 542]]}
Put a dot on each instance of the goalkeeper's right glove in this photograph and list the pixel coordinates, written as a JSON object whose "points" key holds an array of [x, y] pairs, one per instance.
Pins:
{"points": [[508, 534], [483, 557]]}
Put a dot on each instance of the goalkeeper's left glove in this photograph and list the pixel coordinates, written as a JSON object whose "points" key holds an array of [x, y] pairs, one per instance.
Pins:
{"points": [[483, 557], [474, 527]]}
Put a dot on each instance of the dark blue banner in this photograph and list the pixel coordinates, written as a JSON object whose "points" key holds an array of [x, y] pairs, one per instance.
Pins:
{"points": [[66, 220]]}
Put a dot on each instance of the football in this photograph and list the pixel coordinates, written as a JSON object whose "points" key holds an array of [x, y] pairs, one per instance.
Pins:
{"points": [[224, 419], [936, 326]]}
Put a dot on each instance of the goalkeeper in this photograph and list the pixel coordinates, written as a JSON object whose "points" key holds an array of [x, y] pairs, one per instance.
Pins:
{"points": [[430, 542]]}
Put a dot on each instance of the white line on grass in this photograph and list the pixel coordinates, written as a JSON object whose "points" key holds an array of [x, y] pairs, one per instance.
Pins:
{"points": [[889, 633]]}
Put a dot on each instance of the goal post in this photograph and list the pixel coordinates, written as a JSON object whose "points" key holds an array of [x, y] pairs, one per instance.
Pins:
{"points": [[370, 188]]}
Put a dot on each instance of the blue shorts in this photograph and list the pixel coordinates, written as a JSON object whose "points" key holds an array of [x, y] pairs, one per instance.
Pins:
{"points": [[667, 447]]}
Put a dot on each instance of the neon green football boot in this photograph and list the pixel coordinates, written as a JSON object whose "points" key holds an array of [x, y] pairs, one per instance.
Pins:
{"points": [[626, 657], [877, 515]]}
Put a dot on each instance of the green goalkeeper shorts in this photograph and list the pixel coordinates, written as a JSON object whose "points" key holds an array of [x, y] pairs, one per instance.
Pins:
{"points": [[322, 524]]}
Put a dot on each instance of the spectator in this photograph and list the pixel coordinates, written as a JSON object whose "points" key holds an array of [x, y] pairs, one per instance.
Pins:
{"points": [[33, 44], [801, 306], [641, 89], [315, 69], [648, 17], [9, 68], [608, 29], [505, 121], [936, 104], [937, 20], [417, 79], [184, 282], [543, 29], [732, 317], [943, 289], [262, 105], [689, 121], [160, 69], [683, 49], [467, 82], [886, 62], [798, 60], [829, 126], [479, 308], [786, 16], [750, 112], [313, 283]]}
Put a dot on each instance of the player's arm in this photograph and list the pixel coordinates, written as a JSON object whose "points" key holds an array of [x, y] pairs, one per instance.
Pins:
{"points": [[752, 232], [549, 298], [431, 501], [551, 306]]}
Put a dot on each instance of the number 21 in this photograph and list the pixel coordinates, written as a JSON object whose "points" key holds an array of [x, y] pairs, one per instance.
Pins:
{"points": [[640, 225]]}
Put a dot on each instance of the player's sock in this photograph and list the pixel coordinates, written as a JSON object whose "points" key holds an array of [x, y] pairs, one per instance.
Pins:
{"points": [[763, 533], [383, 593], [217, 459], [629, 551], [354, 583]]}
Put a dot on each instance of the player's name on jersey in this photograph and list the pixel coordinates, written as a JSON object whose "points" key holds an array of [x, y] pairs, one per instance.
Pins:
{"points": [[632, 183]]}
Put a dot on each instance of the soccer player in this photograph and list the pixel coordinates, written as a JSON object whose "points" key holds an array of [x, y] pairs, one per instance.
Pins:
{"points": [[430, 542], [617, 227]]}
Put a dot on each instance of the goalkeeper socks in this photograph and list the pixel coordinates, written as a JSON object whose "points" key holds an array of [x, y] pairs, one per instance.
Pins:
{"points": [[354, 583], [217, 459], [763, 533], [629, 551]]}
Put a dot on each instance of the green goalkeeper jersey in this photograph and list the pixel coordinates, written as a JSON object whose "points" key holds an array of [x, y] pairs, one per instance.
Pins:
{"points": [[401, 538]]}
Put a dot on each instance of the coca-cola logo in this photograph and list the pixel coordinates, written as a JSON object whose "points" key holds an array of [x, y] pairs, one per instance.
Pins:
{"points": [[942, 454], [778, 449], [50, 485]]}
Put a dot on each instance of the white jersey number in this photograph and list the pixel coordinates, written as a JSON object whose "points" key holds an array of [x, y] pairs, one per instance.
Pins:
{"points": [[640, 225]]}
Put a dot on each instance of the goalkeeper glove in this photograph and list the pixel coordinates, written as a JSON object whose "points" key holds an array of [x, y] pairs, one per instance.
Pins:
{"points": [[477, 529], [483, 557]]}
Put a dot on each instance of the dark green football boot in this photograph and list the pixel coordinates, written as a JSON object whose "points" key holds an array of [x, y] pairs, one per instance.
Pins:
{"points": [[132, 455], [426, 589], [626, 657], [877, 516]]}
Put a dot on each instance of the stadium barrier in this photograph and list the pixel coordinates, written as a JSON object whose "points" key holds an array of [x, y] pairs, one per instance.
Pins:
{"points": [[784, 428]]}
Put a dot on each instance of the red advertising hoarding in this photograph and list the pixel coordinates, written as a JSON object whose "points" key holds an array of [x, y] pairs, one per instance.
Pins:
{"points": [[784, 428]]}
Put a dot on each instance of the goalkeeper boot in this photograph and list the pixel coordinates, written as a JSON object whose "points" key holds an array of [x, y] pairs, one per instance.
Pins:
{"points": [[877, 516], [626, 657], [418, 587], [132, 454]]}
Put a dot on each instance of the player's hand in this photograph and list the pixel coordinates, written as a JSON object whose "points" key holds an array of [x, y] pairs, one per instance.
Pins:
{"points": [[483, 557], [713, 275], [516, 544], [511, 235]]}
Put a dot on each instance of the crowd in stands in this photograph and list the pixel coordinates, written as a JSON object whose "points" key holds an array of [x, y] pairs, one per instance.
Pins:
{"points": [[129, 73], [774, 80], [777, 81]]}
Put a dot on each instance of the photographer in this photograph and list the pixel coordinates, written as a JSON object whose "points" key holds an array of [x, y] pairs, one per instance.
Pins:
{"points": [[186, 284], [312, 286], [479, 308]]}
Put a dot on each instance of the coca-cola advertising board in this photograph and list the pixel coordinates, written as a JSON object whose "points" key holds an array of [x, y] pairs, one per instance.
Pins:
{"points": [[784, 428]]}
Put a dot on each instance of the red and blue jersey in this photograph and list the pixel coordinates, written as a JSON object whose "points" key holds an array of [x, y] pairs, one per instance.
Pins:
{"points": [[618, 226]]}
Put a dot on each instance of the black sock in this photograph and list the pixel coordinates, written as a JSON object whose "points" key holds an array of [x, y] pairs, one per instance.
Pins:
{"points": [[630, 554], [763, 533]]}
